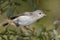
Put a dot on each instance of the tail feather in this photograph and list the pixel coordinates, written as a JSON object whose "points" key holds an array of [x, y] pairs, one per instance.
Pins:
{"points": [[5, 24]]}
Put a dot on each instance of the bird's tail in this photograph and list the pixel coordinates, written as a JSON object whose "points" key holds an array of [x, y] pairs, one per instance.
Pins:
{"points": [[9, 22], [5, 24]]}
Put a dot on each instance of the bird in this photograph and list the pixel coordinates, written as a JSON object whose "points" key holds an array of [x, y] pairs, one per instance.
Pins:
{"points": [[27, 18]]}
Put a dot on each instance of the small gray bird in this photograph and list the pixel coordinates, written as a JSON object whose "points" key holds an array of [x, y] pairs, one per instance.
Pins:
{"points": [[28, 18]]}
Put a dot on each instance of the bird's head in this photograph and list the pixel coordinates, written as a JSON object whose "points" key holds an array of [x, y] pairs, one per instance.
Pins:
{"points": [[39, 13]]}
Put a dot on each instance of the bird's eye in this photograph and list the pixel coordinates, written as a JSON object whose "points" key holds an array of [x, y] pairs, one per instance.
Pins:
{"points": [[39, 13]]}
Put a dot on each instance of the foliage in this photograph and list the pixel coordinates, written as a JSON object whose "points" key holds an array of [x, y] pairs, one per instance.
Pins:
{"points": [[8, 6], [40, 34]]}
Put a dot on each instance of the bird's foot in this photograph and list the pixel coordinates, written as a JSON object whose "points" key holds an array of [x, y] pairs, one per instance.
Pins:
{"points": [[27, 28]]}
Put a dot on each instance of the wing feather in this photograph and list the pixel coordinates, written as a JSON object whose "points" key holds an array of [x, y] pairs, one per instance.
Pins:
{"points": [[24, 14]]}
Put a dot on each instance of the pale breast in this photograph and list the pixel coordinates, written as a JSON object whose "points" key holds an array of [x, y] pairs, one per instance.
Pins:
{"points": [[26, 20]]}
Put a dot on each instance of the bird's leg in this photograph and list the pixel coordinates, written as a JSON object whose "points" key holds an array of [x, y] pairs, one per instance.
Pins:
{"points": [[26, 27]]}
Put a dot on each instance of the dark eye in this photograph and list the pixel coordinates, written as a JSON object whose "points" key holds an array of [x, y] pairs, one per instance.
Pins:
{"points": [[39, 13]]}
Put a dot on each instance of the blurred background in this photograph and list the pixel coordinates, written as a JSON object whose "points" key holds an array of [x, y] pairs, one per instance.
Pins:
{"points": [[10, 8]]}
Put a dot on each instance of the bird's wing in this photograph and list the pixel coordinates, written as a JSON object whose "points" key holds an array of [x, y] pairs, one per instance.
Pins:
{"points": [[24, 14], [28, 13], [22, 19]]}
